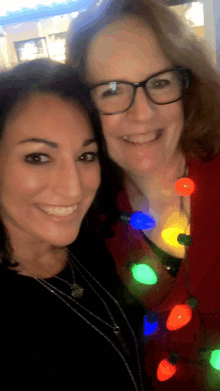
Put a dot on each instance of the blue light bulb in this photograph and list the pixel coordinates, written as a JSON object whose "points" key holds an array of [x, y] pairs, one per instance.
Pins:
{"points": [[141, 221], [150, 323]]}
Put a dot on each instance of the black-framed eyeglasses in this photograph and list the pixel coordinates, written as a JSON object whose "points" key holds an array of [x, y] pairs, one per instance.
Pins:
{"points": [[162, 88]]}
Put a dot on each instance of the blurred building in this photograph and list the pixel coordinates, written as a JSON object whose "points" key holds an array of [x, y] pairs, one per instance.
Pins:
{"points": [[46, 36]]}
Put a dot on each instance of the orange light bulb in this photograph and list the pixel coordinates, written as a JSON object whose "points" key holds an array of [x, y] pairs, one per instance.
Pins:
{"points": [[165, 370], [179, 317], [184, 187]]}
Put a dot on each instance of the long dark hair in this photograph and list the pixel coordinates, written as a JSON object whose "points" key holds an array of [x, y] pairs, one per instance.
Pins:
{"points": [[201, 135], [50, 77]]}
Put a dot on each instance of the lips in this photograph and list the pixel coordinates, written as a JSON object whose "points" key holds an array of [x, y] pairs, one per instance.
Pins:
{"points": [[143, 138]]}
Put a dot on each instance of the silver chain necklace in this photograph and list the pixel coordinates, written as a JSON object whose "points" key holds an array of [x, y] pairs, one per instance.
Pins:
{"points": [[76, 293], [76, 290]]}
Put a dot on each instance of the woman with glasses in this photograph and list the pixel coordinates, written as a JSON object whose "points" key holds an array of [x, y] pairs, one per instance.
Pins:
{"points": [[158, 98]]}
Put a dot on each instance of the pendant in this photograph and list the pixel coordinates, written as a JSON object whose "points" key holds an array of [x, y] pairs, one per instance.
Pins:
{"points": [[77, 291]]}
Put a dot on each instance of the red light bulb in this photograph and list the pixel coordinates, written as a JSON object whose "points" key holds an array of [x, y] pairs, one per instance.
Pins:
{"points": [[181, 314], [167, 368], [179, 317], [184, 187]]}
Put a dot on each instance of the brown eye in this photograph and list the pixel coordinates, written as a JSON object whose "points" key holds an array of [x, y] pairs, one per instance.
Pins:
{"points": [[157, 84], [88, 157], [37, 158]]}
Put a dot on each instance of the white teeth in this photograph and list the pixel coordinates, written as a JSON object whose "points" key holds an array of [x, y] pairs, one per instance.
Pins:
{"points": [[141, 139], [59, 211]]}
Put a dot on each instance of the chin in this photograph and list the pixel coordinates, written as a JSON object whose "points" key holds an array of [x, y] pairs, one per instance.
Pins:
{"points": [[66, 241], [143, 170]]}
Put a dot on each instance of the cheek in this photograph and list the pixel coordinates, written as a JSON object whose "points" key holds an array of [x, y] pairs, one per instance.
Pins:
{"points": [[175, 114], [91, 179], [178, 114], [181, 116], [20, 184], [111, 125]]}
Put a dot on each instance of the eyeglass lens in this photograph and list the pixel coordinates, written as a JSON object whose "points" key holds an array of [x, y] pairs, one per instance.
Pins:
{"points": [[116, 96]]}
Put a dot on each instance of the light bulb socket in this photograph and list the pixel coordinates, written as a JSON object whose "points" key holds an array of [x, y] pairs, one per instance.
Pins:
{"points": [[125, 217], [129, 265], [192, 302], [202, 355], [174, 357], [184, 239], [151, 317]]}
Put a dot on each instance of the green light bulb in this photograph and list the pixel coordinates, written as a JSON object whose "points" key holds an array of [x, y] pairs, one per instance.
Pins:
{"points": [[144, 274], [215, 359]]}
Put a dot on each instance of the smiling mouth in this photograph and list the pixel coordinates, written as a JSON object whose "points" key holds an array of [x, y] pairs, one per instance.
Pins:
{"points": [[143, 138], [58, 211]]}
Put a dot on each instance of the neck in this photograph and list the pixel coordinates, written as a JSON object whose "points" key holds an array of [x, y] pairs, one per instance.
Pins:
{"points": [[39, 263], [34, 255], [157, 186]]}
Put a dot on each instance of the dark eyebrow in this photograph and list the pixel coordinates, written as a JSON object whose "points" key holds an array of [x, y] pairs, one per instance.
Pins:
{"points": [[52, 143]]}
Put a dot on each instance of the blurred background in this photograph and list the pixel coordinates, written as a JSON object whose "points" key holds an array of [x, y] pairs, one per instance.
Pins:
{"points": [[32, 29]]}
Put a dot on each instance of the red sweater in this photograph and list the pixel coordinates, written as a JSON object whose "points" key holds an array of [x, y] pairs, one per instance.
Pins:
{"points": [[204, 284]]}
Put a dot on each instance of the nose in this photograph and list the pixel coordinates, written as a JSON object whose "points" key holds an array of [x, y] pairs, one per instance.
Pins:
{"points": [[143, 108], [67, 182]]}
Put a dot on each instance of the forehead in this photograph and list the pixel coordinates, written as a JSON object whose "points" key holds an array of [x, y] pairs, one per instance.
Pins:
{"points": [[47, 114], [41, 105], [127, 50]]}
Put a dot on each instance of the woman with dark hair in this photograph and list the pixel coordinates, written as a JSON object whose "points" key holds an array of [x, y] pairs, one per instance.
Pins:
{"points": [[59, 322], [157, 94]]}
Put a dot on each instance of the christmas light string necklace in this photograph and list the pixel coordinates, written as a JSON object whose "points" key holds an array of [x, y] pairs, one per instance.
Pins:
{"points": [[181, 314]]}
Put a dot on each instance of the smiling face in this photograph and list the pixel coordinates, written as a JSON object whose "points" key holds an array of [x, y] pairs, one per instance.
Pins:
{"points": [[127, 51], [38, 176]]}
